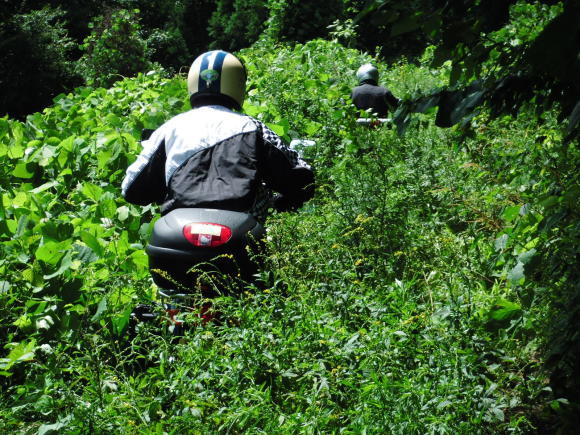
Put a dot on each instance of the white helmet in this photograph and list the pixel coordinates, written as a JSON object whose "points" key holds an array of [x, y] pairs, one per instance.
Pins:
{"points": [[367, 72], [219, 74]]}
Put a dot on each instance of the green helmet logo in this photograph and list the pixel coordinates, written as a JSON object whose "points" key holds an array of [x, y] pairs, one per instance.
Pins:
{"points": [[209, 75], [216, 73]]}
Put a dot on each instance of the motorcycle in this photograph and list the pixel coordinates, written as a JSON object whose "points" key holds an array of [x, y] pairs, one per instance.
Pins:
{"points": [[197, 254]]}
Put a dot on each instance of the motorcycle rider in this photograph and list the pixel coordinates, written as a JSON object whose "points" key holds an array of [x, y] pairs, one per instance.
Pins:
{"points": [[214, 156], [369, 95]]}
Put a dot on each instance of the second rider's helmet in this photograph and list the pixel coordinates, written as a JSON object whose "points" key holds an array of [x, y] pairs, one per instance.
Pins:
{"points": [[368, 72], [217, 76]]}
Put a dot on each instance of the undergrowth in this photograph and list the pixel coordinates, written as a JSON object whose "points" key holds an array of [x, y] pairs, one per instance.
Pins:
{"points": [[413, 294]]}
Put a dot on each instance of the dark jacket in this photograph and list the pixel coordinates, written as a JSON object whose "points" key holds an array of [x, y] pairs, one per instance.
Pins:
{"points": [[370, 96], [214, 157]]}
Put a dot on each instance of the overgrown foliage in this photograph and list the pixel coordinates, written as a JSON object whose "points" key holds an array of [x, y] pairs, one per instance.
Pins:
{"points": [[114, 49], [413, 294], [42, 41], [236, 24], [35, 51], [503, 54]]}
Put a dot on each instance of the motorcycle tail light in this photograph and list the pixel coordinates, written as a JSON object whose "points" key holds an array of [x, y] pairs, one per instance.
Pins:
{"points": [[207, 235]]}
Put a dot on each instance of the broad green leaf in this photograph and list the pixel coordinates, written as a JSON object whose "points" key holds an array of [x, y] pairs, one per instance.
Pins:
{"points": [[503, 310], [23, 322], [16, 148], [102, 307], [121, 321], [140, 259], [4, 126], [20, 200], [311, 83], [67, 144], [11, 225], [22, 225], [51, 252], [517, 273], [510, 213], [92, 242], [251, 110], [338, 114], [22, 352], [312, 128], [57, 230], [92, 191], [54, 428], [32, 145], [53, 140], [66, 171], [281, 128], [107, 207], [104, 158], [23, 170], [65, 264], [84, 253], [123, 213]]}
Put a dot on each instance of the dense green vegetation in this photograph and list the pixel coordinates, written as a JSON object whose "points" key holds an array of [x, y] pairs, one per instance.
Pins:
{"points": [[503, 53], [51, 46], [422, 290], [430, 286]]}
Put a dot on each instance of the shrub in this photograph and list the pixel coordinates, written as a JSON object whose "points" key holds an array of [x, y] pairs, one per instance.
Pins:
{"points": [[301, 21], [34, 49], [114, 49], [168, 48], [236, 24]]}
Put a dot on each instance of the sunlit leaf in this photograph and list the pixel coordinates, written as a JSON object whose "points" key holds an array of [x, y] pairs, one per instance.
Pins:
{"points": [[51, 252]]}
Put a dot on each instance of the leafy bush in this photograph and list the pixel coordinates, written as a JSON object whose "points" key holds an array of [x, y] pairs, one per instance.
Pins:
{"points": [[236, 24], [537, 249], [114, 49], [292, 20], [35, 65], [168, 48], [165, 25]]}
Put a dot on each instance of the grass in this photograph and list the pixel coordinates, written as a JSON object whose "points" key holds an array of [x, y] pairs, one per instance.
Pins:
{"points": [[392, 302]]}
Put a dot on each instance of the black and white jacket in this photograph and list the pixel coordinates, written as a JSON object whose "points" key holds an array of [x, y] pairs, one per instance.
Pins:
{"points": [[214, 157]]}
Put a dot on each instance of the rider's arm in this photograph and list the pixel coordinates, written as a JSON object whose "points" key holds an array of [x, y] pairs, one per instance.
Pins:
{"points": [[144, 182], [284, 172]]}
